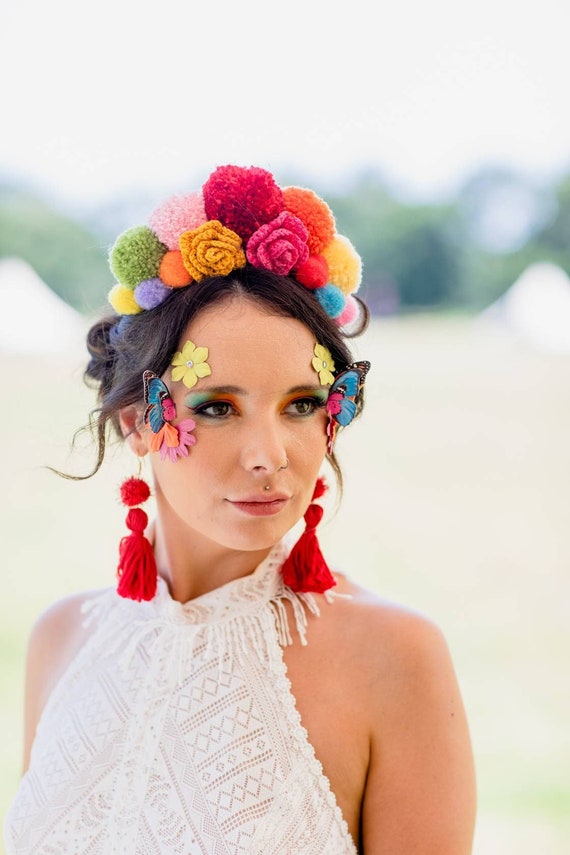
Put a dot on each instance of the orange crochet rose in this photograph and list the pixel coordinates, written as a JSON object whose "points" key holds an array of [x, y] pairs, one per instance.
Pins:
{"points": [[211, 250]]}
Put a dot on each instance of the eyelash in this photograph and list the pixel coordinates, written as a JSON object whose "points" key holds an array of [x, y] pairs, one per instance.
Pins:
{"points": [[315, 404]]}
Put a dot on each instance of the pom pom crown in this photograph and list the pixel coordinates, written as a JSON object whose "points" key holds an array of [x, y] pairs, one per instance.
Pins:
{"points": [[240, 216]]}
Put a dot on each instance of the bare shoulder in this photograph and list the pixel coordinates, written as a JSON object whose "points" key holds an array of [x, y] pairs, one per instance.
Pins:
{"points": [[420, 787], [392, 635], [56, 637], [59, 630]]}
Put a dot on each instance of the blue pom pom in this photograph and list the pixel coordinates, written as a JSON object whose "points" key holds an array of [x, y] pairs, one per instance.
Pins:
{"points": [[151, 293], [331, 299]]}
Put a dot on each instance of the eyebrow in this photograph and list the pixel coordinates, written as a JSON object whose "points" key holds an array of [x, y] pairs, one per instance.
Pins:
{"points": [[238, 390]]}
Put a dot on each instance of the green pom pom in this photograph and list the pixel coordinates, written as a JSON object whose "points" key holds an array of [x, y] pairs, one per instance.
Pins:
{"points": [[136, 255]]}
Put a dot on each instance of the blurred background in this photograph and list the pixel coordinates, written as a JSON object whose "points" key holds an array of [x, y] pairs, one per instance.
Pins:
{"points": [[440, 136]]}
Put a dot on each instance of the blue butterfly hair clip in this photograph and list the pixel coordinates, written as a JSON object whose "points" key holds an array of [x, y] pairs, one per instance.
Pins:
{"points": [[341, 402], [170, 440]]}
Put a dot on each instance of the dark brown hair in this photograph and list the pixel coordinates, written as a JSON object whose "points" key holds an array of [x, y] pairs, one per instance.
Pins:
{"points": [[121, 348]]}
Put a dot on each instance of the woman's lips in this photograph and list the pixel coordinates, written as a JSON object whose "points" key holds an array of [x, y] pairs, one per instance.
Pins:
{"points": [[261, 506]]}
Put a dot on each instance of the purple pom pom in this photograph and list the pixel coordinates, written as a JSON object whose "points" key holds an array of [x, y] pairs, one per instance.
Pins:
{"points": [[331, 299], [151, 293]]}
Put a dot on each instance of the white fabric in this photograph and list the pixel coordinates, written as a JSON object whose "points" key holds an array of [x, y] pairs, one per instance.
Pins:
{"points": [[174, 730]]}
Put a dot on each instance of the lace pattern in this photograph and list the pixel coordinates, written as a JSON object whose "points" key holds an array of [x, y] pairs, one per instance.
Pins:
{"points": [[175, 731]]}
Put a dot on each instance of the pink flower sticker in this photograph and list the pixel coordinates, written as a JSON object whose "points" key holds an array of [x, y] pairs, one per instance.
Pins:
{"points": [[185, 439]]}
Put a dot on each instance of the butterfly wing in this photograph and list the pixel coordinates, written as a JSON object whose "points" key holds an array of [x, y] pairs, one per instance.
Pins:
{"points": [[154, 392], [348, 384]]}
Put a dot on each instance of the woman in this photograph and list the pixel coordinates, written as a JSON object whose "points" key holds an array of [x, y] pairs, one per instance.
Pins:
{"points": [[233, 695]]}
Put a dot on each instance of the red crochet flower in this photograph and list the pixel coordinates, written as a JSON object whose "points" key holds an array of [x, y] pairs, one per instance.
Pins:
{"points": [[280, 245], [242, 198]]}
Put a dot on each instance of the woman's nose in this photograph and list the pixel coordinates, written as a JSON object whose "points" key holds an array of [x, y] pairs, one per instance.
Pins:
{"points": [[264, 450]]}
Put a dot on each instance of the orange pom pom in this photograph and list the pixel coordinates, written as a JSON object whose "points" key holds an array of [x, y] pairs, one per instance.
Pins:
{"points": [[314, 213], [172, 270]]}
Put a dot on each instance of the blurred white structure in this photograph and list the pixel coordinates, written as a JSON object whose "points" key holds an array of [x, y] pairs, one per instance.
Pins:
{"points": [[536, 308], [33, 319]]}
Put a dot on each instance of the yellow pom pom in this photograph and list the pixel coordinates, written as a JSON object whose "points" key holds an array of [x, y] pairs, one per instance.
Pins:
{"points": [[345, 265], [123, 300]]}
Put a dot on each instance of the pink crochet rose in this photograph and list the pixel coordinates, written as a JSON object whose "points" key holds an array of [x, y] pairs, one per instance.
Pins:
{"points": [[279, 246]]}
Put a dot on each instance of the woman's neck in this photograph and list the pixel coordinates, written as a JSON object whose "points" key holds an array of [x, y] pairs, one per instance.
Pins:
{"points": [[193, 565]]}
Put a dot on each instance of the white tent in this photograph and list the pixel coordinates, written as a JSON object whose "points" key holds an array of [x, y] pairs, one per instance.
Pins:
{"points": [[33, 319], [536, 308]]}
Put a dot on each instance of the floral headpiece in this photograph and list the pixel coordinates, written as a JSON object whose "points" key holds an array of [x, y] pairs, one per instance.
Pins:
{"points": [[239, 216]]}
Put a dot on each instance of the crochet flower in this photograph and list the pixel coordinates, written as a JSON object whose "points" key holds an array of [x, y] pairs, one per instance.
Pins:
{"points": [[323, 364], [211, 250], [280, 245], [243, 198], [190, 364]]}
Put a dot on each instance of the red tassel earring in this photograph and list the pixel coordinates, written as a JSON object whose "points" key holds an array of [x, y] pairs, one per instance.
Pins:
{"points": [[306, 569], [137, 567]]}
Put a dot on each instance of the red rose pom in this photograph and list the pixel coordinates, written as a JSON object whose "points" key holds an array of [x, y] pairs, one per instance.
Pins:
{"points": [[134, 491], [242, 198]]}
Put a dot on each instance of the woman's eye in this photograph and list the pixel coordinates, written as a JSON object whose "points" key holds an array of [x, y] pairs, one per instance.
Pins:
{"points": [[303, 406], [215, 409]]}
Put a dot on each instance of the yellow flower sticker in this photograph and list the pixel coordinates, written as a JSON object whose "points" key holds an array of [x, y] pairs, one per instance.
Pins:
{"points": [[190, 364], [323, 363]]}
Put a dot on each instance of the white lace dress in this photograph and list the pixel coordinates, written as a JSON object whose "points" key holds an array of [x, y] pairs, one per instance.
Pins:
{"points": [[174, 730]]}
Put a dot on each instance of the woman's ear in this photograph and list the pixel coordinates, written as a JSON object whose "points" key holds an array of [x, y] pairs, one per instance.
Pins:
{"points": [[133, 431]]}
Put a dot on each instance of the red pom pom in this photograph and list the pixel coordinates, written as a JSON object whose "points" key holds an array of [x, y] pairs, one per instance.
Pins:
{"points": [[320, 489], [242, 198], [134, 491], [137, 520], [314, 273]]}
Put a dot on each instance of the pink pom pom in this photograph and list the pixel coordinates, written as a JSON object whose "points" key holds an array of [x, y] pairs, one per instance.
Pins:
{"points": [[349, 313], [176, 215], [242, 198]]}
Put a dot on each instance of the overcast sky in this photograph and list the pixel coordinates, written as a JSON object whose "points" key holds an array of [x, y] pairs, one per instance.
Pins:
{"points": [[104, 98]]}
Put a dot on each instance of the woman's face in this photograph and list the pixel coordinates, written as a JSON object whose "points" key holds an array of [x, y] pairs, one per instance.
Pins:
{"points": [[261, 406]]}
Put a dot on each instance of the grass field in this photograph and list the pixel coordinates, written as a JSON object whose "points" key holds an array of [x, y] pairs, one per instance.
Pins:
{"points": [[457, 503]]}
